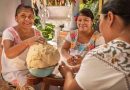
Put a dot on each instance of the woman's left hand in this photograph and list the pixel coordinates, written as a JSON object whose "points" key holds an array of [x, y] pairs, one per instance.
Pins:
{"points": [[41, 40], [64, 69], [75, 60], [32, 40], [78, 59]]}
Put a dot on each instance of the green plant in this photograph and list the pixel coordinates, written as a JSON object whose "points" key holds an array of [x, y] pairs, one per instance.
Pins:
{"points": [[47, 31]]}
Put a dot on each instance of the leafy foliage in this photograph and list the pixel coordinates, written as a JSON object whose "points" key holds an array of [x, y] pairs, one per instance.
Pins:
{"points": [[48, 31]]}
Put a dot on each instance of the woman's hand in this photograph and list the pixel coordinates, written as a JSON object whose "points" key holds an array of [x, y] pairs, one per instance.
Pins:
{"points": [[64, 70], [34, 39], [78, 59], [40, 40], [71, 61], [74, 60], [75, 68]]}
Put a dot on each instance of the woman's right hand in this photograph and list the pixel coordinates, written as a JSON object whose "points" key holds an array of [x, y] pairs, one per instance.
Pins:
{"points": [[34, 39], [75, 68], [64, 69], [71, 60], [74, 60]]}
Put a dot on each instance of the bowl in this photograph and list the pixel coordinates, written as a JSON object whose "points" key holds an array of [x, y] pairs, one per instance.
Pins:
{"points": [[41, 72]]}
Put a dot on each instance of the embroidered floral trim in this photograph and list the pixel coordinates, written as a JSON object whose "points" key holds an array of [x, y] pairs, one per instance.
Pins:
{"points": [[91, 43]]}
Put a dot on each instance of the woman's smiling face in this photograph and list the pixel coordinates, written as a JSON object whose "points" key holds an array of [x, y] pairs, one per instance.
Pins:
{"points": [[84, 23], [25, 18]]}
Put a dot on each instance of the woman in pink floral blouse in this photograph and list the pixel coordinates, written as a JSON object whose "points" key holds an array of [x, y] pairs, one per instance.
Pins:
{"points": [[78, 42]]}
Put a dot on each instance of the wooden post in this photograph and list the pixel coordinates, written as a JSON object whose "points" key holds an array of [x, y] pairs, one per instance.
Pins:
{"points": [[100, 6], [44, 2]]}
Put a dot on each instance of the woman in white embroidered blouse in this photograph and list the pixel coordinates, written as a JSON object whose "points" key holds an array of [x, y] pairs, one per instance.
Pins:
{"points": [[16, 41], [106, 67]]}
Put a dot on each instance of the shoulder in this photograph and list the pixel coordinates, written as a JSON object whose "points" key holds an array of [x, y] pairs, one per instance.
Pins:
{"points": [[99, 39], [8, 31], [96, 34], [7, 34], [113, 52]]}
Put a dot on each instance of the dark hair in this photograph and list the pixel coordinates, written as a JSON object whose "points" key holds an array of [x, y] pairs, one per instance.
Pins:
{"points": [[22, 6], [86, 12], [118, 7]]}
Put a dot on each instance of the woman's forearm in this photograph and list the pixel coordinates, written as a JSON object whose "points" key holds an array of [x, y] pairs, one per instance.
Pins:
{"points": [[68, 81], [16, 50], [65, 53]]}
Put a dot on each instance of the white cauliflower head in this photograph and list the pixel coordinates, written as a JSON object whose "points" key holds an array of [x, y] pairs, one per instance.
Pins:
{"points": [[42, 56]]}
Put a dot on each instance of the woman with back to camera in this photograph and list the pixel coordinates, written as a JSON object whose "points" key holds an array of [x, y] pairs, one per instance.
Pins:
{"points": [[106, 67], [16, 41]]}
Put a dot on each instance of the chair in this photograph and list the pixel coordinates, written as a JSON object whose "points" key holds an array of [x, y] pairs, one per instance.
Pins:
{"points": [[45, 81], [5, 85], [32, 80], [52, 80]]}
